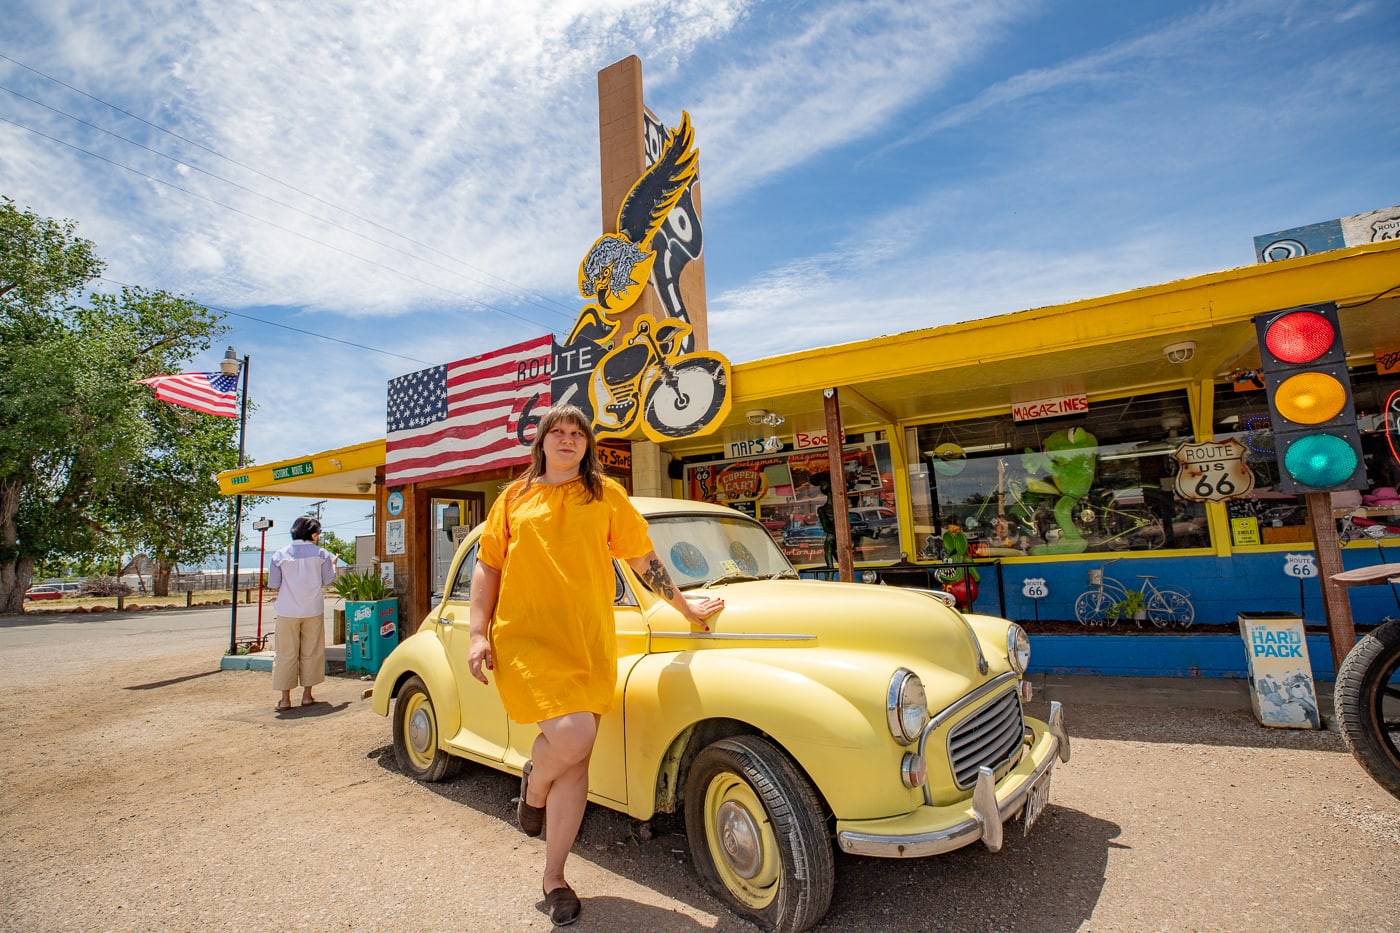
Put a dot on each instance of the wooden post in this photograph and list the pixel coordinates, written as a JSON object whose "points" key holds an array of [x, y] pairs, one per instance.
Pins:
{"points": [[1335, 602], [840, 505]]}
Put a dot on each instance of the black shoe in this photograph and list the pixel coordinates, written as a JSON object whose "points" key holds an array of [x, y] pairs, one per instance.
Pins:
{"points": [[563, 904], [531, 818]]}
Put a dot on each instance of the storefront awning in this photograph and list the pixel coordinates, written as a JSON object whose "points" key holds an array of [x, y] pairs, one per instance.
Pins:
{"points": [[1107, 345], [344, 473]]}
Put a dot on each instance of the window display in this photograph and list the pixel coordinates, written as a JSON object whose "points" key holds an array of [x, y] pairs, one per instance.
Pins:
{"points": [[789, 493], [1100, 480]]}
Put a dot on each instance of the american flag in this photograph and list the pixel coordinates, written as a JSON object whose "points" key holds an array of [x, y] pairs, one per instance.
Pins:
{"points": [[464, 417], [211, 393]]}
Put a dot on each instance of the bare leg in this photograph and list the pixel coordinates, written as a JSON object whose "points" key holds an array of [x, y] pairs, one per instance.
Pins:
{"points": [[559, 781]]}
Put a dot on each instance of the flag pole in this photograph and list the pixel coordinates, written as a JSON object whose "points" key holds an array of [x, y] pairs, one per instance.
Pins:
{"points": [[229, 366]]}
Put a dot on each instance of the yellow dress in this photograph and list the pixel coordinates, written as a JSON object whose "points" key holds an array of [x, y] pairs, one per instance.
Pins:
{"points": [[553, 638]]}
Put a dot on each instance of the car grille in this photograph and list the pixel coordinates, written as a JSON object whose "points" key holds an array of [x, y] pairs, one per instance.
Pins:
{"points": [[991, 736]]}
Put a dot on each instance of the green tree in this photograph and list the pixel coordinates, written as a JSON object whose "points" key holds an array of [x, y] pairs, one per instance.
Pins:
{"points": [[338, 546], [167, 504], [71, 412]]}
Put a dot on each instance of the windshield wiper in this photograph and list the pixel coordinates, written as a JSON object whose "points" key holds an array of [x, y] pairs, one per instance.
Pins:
{"points": [[733, 576], [784, 575]]}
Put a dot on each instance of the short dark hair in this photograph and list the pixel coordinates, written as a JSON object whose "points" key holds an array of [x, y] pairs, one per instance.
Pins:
{"points": [[304, 527]]}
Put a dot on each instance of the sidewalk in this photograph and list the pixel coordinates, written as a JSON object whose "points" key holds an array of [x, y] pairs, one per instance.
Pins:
{"points": [[1157, 692]]}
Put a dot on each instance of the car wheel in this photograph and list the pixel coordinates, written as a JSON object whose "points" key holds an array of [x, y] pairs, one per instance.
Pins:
{"points": [[1367, 703], [758, 835], [416, 736]]}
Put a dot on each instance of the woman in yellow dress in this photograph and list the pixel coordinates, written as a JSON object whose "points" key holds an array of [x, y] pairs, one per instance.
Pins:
{"points": [[542, 621]]}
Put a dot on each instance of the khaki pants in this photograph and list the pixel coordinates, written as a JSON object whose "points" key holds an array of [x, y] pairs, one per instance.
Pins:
{"points": [[300, 645]]}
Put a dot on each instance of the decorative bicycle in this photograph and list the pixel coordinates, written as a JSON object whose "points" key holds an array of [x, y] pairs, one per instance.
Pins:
{"points": [[1163, 606]]}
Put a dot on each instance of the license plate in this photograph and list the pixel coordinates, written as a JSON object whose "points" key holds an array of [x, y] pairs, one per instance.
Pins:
{"points": [[1036, 800]]}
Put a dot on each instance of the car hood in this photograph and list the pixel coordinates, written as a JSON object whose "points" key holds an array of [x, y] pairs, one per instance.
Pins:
{"points": [[902, 623]]}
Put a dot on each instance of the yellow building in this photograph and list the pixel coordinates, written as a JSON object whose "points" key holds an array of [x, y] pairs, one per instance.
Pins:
{"points": [[1040, 445]]}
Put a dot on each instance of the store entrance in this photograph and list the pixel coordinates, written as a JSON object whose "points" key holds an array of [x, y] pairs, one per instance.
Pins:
{"points": [[452, 513]]}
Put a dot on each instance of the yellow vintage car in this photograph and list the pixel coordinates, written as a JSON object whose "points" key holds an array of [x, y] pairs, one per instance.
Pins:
{"points": [[874, 717]]}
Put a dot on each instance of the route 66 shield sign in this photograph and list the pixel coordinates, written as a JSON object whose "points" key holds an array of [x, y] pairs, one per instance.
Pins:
{"points": [[1213, 471]]}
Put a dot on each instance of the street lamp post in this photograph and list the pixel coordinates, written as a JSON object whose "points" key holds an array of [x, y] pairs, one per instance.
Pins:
{"points": [[229, 366]]}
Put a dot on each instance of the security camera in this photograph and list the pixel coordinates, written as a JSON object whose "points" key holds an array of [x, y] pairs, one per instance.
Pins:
{"points": [[1180, 352]]}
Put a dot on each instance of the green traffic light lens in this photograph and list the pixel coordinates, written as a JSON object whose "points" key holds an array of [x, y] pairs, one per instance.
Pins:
{"points": [[1300, 337], [1320, 460]]}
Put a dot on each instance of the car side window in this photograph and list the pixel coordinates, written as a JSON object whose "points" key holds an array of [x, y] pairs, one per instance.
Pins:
{"points": [[621, 595], [462, 583]]}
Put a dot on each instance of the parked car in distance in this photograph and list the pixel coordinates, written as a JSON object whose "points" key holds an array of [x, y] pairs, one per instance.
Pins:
{"points": [[54, 591], [873, 521], [812, 715]]}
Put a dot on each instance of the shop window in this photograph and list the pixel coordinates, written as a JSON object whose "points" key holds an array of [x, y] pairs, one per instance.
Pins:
{"points": [[789, 494], [1102, 480], [1267, 516]]}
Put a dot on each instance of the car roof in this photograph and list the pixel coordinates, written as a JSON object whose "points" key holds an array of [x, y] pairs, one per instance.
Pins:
{"points": [[652, 506]]}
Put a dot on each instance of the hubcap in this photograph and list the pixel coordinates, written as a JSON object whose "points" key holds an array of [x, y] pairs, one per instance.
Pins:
{"points": [[420, 730], [742, 845], [739, 838]]}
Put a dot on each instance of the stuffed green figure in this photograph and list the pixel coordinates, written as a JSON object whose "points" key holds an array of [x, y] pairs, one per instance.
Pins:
{"points": [[1070, 461], [962, 582]]}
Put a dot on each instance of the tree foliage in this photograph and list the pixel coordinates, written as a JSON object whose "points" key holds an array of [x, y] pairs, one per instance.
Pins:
{"points": [[75, 427], [338, 546]]}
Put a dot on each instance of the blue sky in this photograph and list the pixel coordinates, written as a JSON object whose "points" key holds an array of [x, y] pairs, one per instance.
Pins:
{"points": [[419, 180]]}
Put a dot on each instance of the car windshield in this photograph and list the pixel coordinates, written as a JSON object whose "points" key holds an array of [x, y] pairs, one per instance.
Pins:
{"points": [[700, 549]]}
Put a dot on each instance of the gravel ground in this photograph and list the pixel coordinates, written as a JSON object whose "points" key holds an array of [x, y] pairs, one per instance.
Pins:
{"points": [[145, 789]]}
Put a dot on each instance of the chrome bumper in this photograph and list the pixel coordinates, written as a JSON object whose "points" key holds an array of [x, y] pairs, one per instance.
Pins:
{"points": [[985, 821]]}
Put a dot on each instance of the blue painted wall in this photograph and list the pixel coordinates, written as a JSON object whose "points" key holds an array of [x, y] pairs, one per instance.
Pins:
{"points": [[1220, 587]]}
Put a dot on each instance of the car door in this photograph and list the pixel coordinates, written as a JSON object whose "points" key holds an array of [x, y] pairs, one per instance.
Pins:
{"points": [[485, 730], [607, 770]]}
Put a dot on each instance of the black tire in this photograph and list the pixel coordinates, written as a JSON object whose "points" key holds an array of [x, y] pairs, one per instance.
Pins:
{"points": [[758, 834], [1367, 704], [417, 744]]}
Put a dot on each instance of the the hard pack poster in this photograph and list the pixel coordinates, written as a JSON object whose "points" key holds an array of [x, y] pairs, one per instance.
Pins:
{"points": [[1280, 674]]}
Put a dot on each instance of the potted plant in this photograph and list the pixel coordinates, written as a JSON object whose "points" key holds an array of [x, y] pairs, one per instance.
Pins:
{"points": [[371, 619], [1131, 606], [362, 587]]}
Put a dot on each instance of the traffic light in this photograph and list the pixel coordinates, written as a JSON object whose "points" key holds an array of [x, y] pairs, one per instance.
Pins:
{"points": [[1305, 374]]}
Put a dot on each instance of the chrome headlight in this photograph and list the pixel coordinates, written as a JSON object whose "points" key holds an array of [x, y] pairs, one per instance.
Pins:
{"points": [[1018, 648], [906, 706]]}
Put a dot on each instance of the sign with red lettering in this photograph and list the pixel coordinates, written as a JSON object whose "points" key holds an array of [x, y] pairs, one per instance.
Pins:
{"points": [[1050, 407], [802, 440]]}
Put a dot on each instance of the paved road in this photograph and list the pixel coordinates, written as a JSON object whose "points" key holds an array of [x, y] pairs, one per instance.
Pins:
{"points": [[146, 789]]}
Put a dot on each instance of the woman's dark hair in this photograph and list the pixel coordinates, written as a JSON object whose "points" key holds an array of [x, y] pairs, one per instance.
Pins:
{"points": [[304, 527], [589, 469]]}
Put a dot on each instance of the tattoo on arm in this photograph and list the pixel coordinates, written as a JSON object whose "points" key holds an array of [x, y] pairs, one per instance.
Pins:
{"points": [[659, 581]]}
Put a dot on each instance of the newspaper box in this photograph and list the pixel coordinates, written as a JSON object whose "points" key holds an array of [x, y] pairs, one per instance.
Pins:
{"points": [[1280, 674]]}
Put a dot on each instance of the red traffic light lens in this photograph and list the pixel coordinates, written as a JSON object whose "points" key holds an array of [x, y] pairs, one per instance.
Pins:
{"points": [[1299, 337]]}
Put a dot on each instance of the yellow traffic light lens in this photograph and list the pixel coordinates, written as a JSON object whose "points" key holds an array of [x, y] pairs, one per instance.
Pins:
{"points": [[1310, 398], [1300, 337]]}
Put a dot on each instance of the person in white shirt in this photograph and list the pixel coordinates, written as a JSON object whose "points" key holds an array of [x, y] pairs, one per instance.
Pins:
{"points": [[300, 572]]}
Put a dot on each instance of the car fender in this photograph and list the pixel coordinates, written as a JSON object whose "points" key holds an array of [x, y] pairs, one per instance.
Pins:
{"points": [[421, 655], [798, 699]]}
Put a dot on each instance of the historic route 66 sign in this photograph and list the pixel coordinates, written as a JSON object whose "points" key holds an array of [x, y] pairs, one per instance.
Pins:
{"points": [[1213, 471], [1299, 566], [1034, 588]]}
